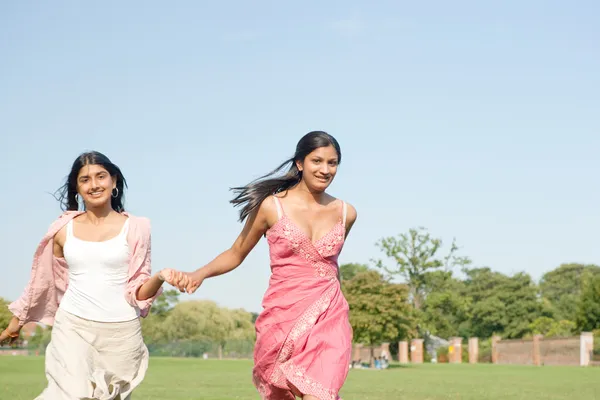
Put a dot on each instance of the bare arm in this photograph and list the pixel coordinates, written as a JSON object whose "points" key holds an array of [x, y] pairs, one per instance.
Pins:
{"points": [[350, 220], [150, 287], [256, 226], [12, 331]]}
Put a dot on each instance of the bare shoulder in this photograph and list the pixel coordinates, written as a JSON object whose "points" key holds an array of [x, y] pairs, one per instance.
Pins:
{"points": [[351, 213], [267, 211], [122, 218]]}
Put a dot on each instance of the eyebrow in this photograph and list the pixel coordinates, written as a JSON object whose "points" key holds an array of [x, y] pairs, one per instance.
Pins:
{"points": [[321, 158], [97, 173]]}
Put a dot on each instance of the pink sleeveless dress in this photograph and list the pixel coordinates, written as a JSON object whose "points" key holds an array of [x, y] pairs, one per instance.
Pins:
{"points": [[304, 337]]}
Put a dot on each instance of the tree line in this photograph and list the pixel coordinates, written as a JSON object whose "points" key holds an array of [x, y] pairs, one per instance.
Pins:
{"points": [[420, 290], [197, 327], [186, 329], [417, 289]]}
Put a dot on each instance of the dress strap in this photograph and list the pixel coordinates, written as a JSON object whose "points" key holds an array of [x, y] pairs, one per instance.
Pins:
{"points": [[278, 206], [344, 212]]}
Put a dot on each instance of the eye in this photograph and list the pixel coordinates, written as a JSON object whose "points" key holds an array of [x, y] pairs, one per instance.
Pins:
{"points": [[316, 161]]}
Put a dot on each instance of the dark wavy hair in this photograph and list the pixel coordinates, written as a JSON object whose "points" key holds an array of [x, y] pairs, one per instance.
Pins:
{"points": [[67, 194], [254, 193]]}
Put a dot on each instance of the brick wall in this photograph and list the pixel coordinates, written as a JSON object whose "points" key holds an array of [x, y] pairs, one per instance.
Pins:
{"points": [[540, 351], [519, 351], [13, 352], [560, 351], [363, 353]]}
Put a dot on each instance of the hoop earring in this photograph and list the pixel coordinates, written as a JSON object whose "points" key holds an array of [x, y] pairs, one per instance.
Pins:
{"points": [[115, 195], [78, 198]]}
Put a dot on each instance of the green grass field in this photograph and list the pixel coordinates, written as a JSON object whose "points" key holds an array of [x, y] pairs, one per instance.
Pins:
{"points": [[22, 378]]}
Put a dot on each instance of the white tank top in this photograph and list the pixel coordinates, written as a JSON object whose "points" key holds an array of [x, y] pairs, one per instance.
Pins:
{"points": [[98, 273]]}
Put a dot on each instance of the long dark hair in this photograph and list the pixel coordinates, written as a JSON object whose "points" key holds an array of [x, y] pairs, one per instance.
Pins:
{"points": [[67, 194], [254, 193]]}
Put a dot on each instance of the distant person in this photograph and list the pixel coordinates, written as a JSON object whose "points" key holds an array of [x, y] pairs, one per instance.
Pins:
{"points": [[101, 256], [304, 338], [385, 363]]}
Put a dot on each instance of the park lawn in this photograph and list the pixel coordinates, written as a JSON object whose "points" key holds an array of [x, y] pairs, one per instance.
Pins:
{"points": [[22, 378]]}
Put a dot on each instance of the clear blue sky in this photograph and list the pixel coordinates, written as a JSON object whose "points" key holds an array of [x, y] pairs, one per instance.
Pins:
{"points": [[477, 121]]}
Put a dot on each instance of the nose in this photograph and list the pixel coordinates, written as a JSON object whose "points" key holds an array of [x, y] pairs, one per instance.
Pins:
{"points": [[325, 169], [95, 183]]}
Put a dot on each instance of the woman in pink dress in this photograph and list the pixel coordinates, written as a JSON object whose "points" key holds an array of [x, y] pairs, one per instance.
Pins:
{"points": [[304, 338]]}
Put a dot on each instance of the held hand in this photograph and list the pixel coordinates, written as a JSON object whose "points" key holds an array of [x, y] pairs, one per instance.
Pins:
{"points": [[175, 278], [195, 279], [11, 333]]}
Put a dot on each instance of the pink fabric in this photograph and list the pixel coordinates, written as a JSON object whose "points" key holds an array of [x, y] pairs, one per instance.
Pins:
{"points": [[49, 274], [304, 337]]}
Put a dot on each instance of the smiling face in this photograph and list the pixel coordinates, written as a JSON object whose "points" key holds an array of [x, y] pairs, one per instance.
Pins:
{"points": [[95, 186], [319, 168]]}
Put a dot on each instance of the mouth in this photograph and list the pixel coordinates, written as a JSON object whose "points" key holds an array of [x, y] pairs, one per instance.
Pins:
{"points": [[321, 179], [96, 193]]}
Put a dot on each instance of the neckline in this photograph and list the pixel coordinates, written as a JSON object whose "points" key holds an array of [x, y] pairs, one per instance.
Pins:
{"points": [[282, 214], [305, 235], [121, 232]]}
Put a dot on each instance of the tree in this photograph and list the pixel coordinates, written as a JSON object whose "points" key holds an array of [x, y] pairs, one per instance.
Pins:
{"points": [[588, 313], [41, 339], [562, 287], [5, 314], [549, 327], [379, 310], [349, 271], [240, 339], [163, 303], [243, 325], [199, 321], [152, 326], [446, 308], [153, 329], [416, 254], [501, 304], [542, 325]]}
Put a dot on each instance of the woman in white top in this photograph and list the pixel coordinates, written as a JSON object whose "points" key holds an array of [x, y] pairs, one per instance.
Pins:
{"points": [[101, 256]]}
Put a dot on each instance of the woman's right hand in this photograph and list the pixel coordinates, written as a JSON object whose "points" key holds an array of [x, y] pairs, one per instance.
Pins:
{"points": [[195, 279], [12, 331]]}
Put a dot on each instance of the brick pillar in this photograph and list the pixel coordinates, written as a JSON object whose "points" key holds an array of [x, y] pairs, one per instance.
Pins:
{"points": [[403, 352], [495, 355], [473, 350], [416, 351], [587, 346], [455, 350], [537, 361]]}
